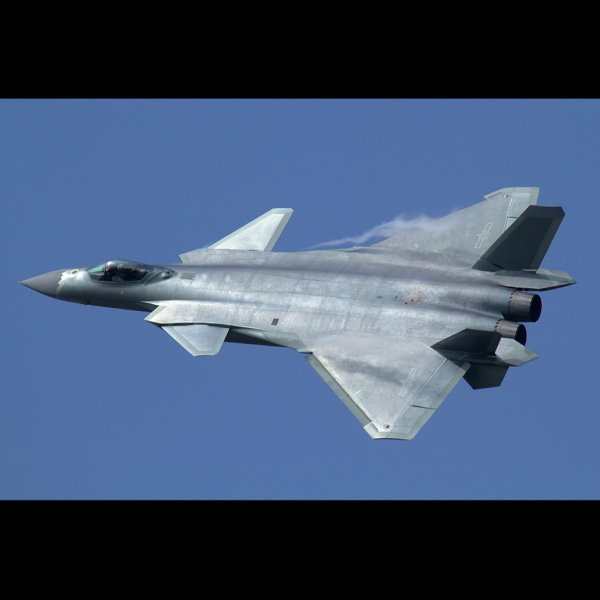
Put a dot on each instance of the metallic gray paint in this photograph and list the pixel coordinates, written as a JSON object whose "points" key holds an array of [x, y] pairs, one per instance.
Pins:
{"points": [[391, 328], [44, 284]]}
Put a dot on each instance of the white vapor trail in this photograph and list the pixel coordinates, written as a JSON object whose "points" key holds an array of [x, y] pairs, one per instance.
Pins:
{"points": [[390, 229]]}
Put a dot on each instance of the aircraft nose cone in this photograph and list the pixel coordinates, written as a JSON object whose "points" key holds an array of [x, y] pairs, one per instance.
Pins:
{"points": [[44, 284]]}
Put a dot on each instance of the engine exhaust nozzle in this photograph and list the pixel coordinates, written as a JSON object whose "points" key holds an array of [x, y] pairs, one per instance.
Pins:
{"points": [[524, 307], [514, 331]]}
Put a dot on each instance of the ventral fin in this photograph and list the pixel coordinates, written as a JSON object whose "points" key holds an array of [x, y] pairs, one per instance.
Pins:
{"points": [[198, 340]]}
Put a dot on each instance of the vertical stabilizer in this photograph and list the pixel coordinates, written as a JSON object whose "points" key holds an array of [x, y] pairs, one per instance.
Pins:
{"points": [[525, 243]]}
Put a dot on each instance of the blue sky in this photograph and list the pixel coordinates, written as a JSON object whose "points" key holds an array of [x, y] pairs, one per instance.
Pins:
{"points": [[98, 404]]}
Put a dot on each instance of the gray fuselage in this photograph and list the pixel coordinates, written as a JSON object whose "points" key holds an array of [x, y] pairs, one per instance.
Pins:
{"points": [[321, 291]]}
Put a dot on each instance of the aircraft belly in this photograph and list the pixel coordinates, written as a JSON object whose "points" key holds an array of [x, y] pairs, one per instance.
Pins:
{"points": [[428, 321]]}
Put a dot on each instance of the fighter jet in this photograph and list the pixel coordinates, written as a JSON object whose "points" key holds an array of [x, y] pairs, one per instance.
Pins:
{"points": [[391, 327]]}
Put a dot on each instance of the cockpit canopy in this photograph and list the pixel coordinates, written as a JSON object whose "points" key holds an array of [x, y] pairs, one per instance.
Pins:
{"points": [[119, 271]]}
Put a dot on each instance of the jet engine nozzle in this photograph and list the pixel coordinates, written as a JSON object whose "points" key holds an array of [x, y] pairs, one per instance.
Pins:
{"points": [[524, 307], [514, 331]]}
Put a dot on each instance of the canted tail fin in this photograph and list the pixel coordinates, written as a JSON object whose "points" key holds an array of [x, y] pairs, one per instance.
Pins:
{"points": [[525, 243]]}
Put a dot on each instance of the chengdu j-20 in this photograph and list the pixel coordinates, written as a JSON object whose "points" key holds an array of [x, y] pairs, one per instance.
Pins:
{"points": [[391, 328]]}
